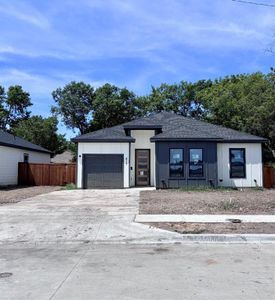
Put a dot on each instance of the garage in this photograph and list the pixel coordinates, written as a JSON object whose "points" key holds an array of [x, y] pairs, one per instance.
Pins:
{"points": [[103, 171]]}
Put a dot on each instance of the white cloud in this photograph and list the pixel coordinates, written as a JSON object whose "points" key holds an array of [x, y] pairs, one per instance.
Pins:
{"points": [[133, 43], [136, 28], [41, 84], [22, 11]]}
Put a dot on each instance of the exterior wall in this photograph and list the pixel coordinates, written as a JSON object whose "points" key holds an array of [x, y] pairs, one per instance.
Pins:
{"points": [[142, 142], [163, 179], [103, 148], [9, 159], [254, 168]]}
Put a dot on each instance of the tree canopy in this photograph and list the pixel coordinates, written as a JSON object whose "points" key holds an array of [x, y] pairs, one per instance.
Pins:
{"points": [[180, 98], [14, 105], [112, 106], [43, 132], [74, 103], [84, 108], [242, 102]]}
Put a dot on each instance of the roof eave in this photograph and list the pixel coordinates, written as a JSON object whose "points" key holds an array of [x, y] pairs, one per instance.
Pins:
{"points": [[158, 139], [75, 140], [26, 148], [245, 141]]}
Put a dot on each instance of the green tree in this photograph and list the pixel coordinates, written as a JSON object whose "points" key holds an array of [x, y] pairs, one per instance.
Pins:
{"points": [[83, 108], [43, 132], [180, 98], [243, 102], [71, 146], [74, 103], [112, 106], [13, 106]]}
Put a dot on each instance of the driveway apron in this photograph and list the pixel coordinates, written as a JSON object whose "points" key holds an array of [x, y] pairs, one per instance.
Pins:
{"points": [[99, 216]]}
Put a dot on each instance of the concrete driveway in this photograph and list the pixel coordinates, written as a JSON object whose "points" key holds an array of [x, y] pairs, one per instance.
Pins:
{"points": [[78, 216], [85, 245]]}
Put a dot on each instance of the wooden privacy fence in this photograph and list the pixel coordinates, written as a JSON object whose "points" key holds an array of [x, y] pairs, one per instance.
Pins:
{"points": [[269, 177], [46, 174]]}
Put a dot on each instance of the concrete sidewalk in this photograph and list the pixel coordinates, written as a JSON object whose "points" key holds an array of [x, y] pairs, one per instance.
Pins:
{"points": [[205, 218]]}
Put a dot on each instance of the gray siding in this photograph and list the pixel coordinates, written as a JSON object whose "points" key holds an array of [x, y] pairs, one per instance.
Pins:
{"points": [[162, 164]]}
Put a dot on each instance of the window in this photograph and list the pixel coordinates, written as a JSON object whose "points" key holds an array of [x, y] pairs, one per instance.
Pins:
{"points": [[237, 163], [26, 157], [176, 163], [195, 163]]}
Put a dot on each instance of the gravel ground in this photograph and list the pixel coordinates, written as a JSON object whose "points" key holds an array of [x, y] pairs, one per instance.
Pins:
{"points": [[16, 194], [207, 202], [217, 228]]}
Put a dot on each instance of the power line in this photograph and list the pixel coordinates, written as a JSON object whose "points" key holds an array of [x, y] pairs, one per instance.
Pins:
{"points": [[255, 3]]}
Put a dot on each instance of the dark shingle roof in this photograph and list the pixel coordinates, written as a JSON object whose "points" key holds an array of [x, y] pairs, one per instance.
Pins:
{"points": [[10, 140], [112, 134], [174, 127]]}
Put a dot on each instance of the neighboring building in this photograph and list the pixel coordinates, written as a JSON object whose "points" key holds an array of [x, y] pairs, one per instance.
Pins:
{"points": [[66, 157], [166, 150], [14, 150]]}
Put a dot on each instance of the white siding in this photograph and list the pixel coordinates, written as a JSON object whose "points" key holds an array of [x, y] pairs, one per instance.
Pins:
{"points": [[254, 168], [103, 148], [9, 159], [143, 142]]}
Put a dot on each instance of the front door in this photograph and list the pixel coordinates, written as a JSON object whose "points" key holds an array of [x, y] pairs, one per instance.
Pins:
{"points": [[142, 167]]}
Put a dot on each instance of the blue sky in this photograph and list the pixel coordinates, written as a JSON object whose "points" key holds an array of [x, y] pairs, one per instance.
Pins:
{"points": [[132, 43]]}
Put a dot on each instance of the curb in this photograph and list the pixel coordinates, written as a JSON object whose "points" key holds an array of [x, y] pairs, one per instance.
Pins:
{"points": [[180, 240], [204, 218], [230, 238]]}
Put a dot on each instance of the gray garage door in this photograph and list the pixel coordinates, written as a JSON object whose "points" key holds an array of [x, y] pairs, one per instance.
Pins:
{"points": [[103, 171]]}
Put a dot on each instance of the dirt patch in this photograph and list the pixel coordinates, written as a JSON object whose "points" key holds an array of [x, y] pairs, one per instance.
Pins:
{"points": [[16, 194], [217, 228], [247, 201]]}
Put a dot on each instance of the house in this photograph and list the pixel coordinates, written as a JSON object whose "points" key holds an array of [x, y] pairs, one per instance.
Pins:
{"points": [[167, 150], [14, 150], [66, 157]]}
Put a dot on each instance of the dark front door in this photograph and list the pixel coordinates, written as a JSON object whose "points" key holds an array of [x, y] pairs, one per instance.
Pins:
{"points": [[103, 171], [142, 167]]}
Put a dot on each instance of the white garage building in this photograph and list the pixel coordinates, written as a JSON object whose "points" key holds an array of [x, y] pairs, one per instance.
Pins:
{"points": [[14, 150]]}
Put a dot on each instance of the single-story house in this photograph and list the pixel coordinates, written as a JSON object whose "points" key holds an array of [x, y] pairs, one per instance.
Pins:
{"points": [[167, 150], [67, 157], [13, 150]]}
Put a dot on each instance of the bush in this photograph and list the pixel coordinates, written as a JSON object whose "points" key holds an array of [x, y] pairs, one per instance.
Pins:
{"points": [[69, 186]]}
